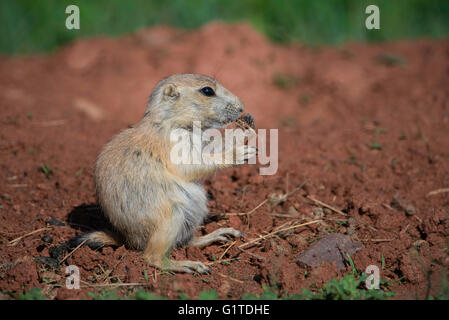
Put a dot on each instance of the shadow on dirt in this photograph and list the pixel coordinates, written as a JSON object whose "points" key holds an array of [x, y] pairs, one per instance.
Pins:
{"points": [[88, 217]]}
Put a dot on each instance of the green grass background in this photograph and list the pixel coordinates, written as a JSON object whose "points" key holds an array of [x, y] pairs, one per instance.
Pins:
{"points": [[28, 26]]}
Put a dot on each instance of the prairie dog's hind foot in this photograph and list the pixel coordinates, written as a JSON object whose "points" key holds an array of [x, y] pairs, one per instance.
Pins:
{"points": [[186, 266], [217, 235]]}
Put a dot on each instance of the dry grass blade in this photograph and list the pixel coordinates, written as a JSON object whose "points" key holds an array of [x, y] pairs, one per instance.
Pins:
{"points": [[249, 212], [221, 261], [107, 274], [377, 240], [230, 278], [70, 253], [326, 205], [438, 191], [227, 249], [277, 231], [52, 123], [260, 258], [15, 241]]}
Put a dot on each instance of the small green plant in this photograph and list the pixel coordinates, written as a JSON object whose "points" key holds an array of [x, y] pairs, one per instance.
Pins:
{"points": [[354, 270], [79, 173], [46, 170], [394, 162], [348, 288], [375, 145], [208, 295], [266, 295], [105, 295], [285, 81], [182, 296], [145, 295], [33, 294], [145, 274]]}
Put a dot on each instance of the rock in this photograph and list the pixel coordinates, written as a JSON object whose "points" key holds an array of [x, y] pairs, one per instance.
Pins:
{"points": [[410, 210], [47, 239], [397, 203], [55, 222], [331, 248]]}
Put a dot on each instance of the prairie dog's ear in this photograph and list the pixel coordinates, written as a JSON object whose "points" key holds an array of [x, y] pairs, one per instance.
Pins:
{"points": [[171, 91]]}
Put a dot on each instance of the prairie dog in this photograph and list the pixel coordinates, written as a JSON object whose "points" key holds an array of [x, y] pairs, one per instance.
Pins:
{"points": [[153, 204]]}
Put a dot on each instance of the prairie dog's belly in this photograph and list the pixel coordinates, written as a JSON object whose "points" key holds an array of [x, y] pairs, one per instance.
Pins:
{"points": [[191, 210]]}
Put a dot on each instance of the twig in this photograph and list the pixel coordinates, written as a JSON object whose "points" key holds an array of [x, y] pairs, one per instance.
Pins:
{"points": [[15, 241], [69, 254], [115, 266], [230, 278], [260, 258], [377, 240], [227, 249], [277, 231], [296, 189], [51, 123], [438, 191], [220, 261], [249, 212], [326, 205]]}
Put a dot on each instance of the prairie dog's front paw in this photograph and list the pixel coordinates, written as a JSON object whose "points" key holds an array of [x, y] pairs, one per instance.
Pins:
{"points": [[244, 153]]}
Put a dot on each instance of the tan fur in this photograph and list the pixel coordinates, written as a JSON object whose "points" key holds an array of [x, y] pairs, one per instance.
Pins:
{"points": [[153, 203]]}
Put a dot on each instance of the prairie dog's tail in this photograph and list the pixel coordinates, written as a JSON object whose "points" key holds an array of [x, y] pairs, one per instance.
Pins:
{"points": [[98, 239]]}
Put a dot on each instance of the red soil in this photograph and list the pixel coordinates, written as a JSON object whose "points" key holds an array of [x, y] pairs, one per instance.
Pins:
{"points": [[330, 105]]}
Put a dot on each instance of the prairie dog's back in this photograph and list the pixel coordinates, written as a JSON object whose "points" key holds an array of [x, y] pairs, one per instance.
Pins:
{"points": [[131, 182]]}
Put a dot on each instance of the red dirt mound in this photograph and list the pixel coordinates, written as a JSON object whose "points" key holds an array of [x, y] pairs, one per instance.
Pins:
{"points": [[366, 125]]}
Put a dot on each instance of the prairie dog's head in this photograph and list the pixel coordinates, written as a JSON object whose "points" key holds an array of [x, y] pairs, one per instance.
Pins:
{"points": [[180, 99]]}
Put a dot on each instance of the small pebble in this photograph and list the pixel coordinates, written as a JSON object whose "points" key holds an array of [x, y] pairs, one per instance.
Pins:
{"points": [[47, 239], [55, 222], [318, 213], [410, 210]]}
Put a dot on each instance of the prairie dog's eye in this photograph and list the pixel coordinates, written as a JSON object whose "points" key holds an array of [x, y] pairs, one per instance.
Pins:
{"points": [[207, 91]]}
